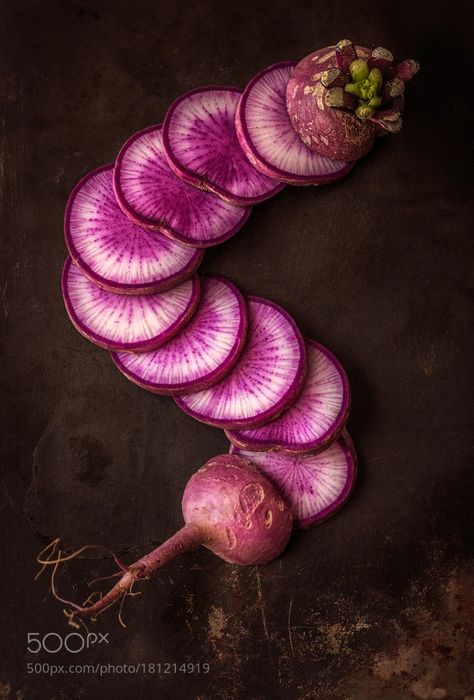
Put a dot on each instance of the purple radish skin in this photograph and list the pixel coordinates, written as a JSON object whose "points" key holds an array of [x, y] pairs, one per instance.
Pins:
{"points": [[345, 54], [268, 138], [124, 322], [200, 355], [406, 70], [150, 194], [315, 486], [115, 253], [230, 508], [382, 59], [316, 418], [265, 381], [201, 144]]}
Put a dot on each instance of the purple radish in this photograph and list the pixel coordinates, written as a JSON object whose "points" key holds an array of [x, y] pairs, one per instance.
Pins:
{"points": [[201, 145], [267, 378], [332, 132], [124, 322], [341, 125], [115, 253], [202, 353], [315, 486], [153, 196], [268, 138], [229, 507], [317, 416]]}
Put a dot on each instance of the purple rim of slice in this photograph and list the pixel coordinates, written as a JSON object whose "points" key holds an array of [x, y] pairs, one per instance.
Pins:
{"points": [[152, 195], [216, 161], [317, 416], [116, 253], [202, 353], [268, 139], [314, 485], [106, 319], [265, 381]]}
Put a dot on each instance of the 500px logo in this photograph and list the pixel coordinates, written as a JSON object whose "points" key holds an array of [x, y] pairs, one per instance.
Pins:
{"points": [[74, 642]]}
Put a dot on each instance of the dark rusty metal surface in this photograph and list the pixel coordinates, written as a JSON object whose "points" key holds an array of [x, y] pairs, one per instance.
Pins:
{"points": [[375, 603]]}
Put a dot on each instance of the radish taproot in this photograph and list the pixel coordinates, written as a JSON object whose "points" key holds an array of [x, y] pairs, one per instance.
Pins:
{"points": [[201, 145], [267, 378], [125, 322], [317, 416], [153, 196], [268, 138], [229, 507], [115, 253], [315, 486], [334, 96], [202, 353]]}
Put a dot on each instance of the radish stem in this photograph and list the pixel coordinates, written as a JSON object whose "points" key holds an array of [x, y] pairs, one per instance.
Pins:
{"points": [[187, 538]]}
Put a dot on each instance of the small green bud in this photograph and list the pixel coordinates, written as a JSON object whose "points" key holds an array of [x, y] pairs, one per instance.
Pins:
{"points": [[353, 89], [365, 87], [375, 101], [375, 77], [364, 111], [359, 70]]}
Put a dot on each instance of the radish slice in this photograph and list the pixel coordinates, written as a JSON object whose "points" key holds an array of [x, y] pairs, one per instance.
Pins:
{"points": [[265, 381], [314, 485], [201, 145], [153, 196], [315, 419], [124, 322], [202, 353], [268, 139], [115, 253]]}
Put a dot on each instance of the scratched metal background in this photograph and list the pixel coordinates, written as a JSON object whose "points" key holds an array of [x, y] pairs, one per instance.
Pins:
{"points": [[376, 603]]}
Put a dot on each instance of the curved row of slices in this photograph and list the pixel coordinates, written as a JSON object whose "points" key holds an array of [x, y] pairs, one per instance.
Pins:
{"points": [[136, 230]]}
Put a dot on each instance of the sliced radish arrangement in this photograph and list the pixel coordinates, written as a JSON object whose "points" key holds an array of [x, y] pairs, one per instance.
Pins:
{"points": [[115, 253], [314, 485], [268, 139], [124, 322], [317, 416], [266, 379], [202, 353], [201, 145], [153, 196]]}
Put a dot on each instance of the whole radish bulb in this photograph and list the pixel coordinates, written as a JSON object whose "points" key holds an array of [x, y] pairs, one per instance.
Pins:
{"points": [[231, 508], [341, 97], [239, 513]]}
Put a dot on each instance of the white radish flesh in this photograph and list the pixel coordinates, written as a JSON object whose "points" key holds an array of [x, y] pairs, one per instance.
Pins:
{"points": [[317, 416], [201, 145], [153, 196], [202, 353], [266, 379], [123, 322]]}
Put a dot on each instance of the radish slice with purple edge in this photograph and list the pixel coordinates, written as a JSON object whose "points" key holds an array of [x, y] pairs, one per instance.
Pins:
{"points": [[150, 194], [266, 379], [201, 145], [315, 486], [268, 138], [115, 253], [202, 353], [125, 322], [317, 416]]}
